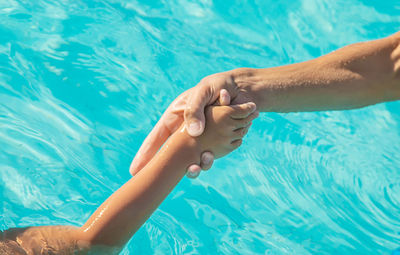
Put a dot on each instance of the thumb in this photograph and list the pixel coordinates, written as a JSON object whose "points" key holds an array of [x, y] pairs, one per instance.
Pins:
{"points": [[206, 93], [224, 97], [194, 112]]}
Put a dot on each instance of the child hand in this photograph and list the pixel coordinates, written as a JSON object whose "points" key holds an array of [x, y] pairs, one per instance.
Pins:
{"points": [[225, 128]]}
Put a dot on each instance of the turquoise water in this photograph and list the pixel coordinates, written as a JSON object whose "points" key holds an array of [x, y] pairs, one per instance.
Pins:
{"points": [[83, 82]]}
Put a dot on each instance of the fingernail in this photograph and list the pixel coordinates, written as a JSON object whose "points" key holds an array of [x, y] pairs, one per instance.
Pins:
{"points": [[191, 173], [225, 100], [194, 128], [206, 159], [225, 97], [252, 106], [193, 169]]}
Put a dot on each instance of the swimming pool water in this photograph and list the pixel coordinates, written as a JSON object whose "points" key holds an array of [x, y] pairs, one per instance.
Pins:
{"points": [[83, 82]]}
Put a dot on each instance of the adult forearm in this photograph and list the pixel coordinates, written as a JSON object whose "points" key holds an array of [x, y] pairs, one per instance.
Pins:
{"points": [[355, 76], [121, 215]]}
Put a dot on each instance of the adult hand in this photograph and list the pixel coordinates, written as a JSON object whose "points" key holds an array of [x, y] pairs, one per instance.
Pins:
{"points": [[189, 108]]}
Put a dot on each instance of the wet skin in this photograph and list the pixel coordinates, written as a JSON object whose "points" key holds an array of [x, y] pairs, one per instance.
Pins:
{"points": [[112, 225], [355, 76]]}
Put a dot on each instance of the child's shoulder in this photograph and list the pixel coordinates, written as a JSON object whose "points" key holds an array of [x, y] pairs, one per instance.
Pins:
{"points": [[9, 244], [33, 240]]}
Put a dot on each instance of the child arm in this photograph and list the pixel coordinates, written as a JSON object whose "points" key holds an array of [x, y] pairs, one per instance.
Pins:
{"points": [[122, 214]]}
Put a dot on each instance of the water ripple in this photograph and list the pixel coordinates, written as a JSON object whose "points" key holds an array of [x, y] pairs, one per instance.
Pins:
{"points": [[83, 82]]}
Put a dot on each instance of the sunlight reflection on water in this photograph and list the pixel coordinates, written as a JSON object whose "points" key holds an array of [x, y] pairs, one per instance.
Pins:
{"points": [[83, 82]]}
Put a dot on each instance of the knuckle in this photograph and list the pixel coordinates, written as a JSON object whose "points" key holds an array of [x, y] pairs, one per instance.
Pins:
{"points": [[248, 107], [188, 112], [243, 108]]}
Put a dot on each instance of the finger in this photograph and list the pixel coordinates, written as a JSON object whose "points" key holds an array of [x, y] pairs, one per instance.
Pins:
{"points": [[224, 97], [150, 146], [207, 159], [193, 171], [194, 112], [241, 132], [241, 123], [236, 144], [241, 111], [206, 93]]}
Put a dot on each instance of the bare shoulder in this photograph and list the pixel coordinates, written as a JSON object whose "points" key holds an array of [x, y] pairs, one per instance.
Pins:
{"points": [[8, 245], [41, 240]]}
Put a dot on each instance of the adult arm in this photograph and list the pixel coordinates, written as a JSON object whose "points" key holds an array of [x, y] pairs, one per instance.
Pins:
{"points": [[357, 75]]}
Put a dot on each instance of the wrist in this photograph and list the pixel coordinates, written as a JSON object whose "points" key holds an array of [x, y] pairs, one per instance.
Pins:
{"points": [[187, 147], [251, 81]]}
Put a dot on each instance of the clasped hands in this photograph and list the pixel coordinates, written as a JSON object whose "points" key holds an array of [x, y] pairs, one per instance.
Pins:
{"points": [[188, 108]]}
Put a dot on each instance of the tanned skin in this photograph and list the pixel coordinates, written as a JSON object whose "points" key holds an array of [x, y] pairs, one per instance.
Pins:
{"points": [[112, 225], [354, 76]]}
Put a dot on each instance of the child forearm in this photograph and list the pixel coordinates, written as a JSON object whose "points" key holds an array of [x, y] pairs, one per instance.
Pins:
{"points": [[122, 214]]}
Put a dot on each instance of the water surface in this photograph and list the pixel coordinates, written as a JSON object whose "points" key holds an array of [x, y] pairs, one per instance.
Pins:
{"points": [[83, 82]]}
